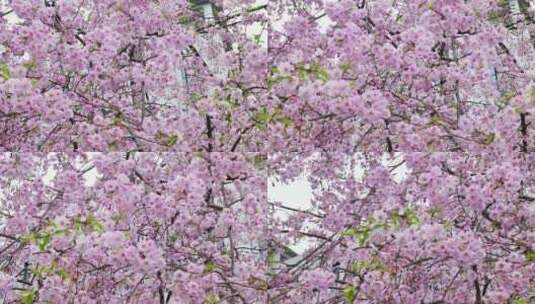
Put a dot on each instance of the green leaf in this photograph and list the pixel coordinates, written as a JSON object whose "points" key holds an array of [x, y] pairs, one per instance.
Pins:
{"points": [[262, 118], [363, 236], [229, 103], [358, 266], [260, 161], [529, 255], [93, 224], [374, 263], [506, 97], [211, 298], [434, 211], [58, 231], [118, 119], [531, 94], [4, 71], [314, 69], [171, 141], [167, 139], [412, 217], [379, 265], [43, 241], [258, 39], [30, 237], [277, 79], [322, 75], [301, 74], [257, 8], [319, 72], [184, 19], [349, 232], [520, 301], [30, 64], [345, 67], [209, 266], [77, 225], [62, 274], [285, 121], [435, 120], [39, 271], [396, 219], [503, 3], [27, 297], [489, 138], [272, 259], [359, 235], [350, 293]]}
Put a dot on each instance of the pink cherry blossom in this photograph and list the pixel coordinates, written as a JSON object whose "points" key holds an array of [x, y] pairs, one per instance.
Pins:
{"points": [[138, 139]]}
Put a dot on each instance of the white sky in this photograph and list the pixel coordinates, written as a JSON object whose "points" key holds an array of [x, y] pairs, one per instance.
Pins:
{"points": [[298, 193]]}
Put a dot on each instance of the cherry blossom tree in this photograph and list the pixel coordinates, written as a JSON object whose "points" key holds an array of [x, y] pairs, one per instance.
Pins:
{"points": [[143, 231], [138, 139]]}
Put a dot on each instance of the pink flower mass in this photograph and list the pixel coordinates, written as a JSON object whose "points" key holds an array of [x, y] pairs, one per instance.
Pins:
{"points": [[140, 141]]}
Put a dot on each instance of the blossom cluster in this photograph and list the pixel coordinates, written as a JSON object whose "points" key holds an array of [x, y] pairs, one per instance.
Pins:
{"points": [[138, 138]]}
